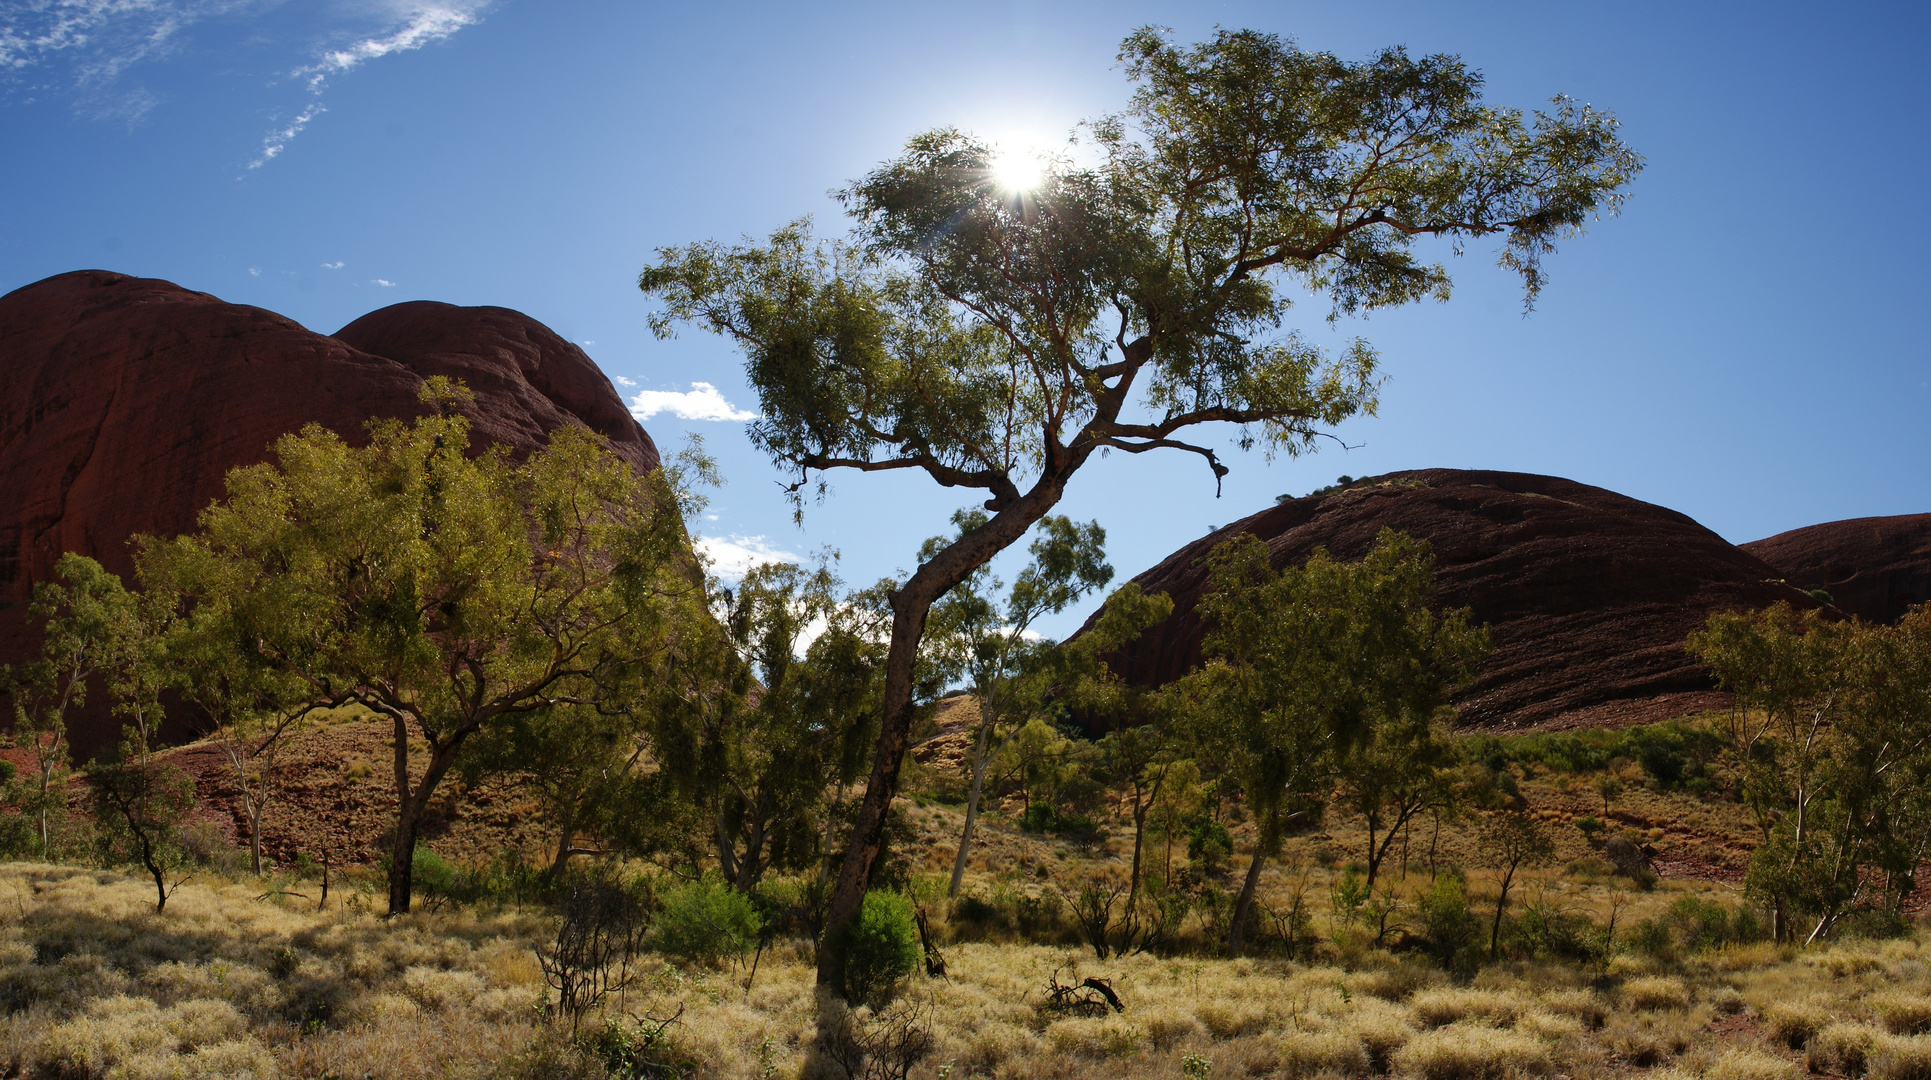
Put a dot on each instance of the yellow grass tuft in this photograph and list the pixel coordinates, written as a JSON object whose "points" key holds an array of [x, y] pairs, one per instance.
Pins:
{"points": [[1469, 1052]]}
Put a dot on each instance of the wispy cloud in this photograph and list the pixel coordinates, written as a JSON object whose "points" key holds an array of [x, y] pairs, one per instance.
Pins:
{"points": [[336, 265], [733, 557], [410, 28], [88, 45], [701, 402], [384, 282], [621, 381]]}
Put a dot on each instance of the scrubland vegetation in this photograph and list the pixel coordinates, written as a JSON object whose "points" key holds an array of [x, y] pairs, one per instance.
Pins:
{"points": [[746, 832]]}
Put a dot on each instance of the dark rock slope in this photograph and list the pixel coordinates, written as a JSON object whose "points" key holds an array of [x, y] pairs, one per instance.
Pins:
{"points": [[1589, 594], [1875, 568], [124, 402]]}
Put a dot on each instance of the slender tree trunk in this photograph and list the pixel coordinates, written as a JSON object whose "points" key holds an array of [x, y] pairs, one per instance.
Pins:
{"points": [[971, 820], [1139, 832], [910, 606], [411, 807], [1246, 901], [1501, 903]]}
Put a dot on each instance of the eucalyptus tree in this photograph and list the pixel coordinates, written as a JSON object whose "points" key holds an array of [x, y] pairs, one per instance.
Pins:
{"points": [[444, 591], [91, 631], [1310, 668], [762, 725], [993, 640], [995, 339]]}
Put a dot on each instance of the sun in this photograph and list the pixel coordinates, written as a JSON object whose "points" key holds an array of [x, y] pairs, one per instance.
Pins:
{"points": [[1017, 171]]}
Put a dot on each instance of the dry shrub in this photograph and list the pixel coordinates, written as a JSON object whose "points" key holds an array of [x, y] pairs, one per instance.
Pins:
{"points": [[1395, 983], [1549, 1025], [1656, 992], [1310, 1053], [1382, 1030], [1842, 1048], [1645, 1040], [1465, 1052], [1752, 1064], [1793, 1023], [1096, 1037], [1232, 1020], [1903, 1014], [1437, 1008], [134, 1037], [1168, 1025], [1584, 1006], [1902, 1059]]}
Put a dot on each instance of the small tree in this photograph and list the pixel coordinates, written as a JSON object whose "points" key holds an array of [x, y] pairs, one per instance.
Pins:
{"points": [[1508, 842], [443, 591], [89, 621], [995, 340], [1309, 666], [990, 640], [139, 807]]}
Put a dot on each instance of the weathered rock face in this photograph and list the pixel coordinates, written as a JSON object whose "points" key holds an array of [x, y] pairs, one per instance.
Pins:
{"points": [[1875, 568], [125, 401], [1588, 594]]}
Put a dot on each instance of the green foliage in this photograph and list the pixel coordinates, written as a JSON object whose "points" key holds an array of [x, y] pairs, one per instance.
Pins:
{"points": [[1682, 745], [1452, 932], [706, 922], [1831, 747], [995, 341], [1691, 925], [881, 949], [1589, 827], [1209, 845], [140, 806], [445, 591]]}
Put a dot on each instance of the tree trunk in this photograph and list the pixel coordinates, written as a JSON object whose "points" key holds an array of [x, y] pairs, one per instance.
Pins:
{"points": [[910, 606], [1495, 930], [1246, 901], [411, 807], [972, 809]]}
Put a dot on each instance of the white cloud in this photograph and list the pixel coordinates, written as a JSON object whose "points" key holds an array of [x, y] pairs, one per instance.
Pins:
{"points": [[385, 283], [276, 141], [702, 402], [621, 381], [254, 271], [733, 557], [426, 24], [336, 265]]}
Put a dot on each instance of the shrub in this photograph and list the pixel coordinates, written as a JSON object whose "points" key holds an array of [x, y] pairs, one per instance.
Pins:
{"points": [[705, 922], [1471, 1053], [1793, 1023], [1453, 933], [881, 949], [1844, 1049], [1902, 1059], [1310, 1053], [1209, 845], [1438, 1008], [1656, 992], [1903, 1014], [1752, 1064]]}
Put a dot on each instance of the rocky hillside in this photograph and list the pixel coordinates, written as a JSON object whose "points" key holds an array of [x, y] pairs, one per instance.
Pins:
{"points": [[124, 402], [1875, 568], [1589, 594]]}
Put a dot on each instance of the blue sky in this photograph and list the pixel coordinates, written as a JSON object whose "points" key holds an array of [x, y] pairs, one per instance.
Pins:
{"points": [[1743, 344]]}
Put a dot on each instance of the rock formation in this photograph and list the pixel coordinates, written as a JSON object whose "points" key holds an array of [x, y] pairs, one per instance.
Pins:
{"points": [[1875, 568], [124, 402], [1589, 594]]}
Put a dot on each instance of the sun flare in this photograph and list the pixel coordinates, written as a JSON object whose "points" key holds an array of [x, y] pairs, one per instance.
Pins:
{"points": [[1017, 171]]}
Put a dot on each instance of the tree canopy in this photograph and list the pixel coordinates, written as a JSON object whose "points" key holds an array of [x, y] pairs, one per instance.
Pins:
{"points": [[996, 339]]}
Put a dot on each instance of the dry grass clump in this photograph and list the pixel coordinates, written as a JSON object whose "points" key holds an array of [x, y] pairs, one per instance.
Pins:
{"points": [[1472, 1052], [1843, 1048], [1752, 1064], [1793, 1023], [1585, 1006], [1315, 1053], [1437, 1008], [1655, 992], [1902, 1059], [1903, 1014]]}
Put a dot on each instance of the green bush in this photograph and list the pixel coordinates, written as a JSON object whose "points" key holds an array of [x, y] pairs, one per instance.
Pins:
{"points": [[1454, 934], [1209, 845], [881, 949], [706, 922]]}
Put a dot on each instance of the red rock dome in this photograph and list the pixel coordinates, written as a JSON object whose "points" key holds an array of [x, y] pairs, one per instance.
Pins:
{"points": [[124, 402], [1588, 594], [1875, 568]]}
